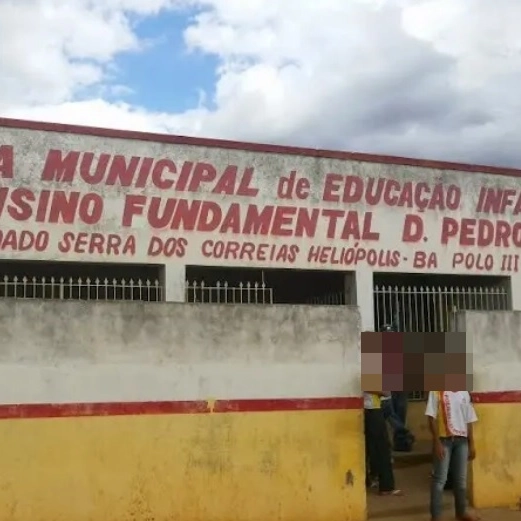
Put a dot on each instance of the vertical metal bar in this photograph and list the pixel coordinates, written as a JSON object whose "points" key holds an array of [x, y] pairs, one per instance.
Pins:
{"points": [[504, 303], [416, 309], [490, 299], [388, 318], [435, 323], [395, 317], [439, 310], [383, 318], [409, 325], [423, 312], [499, 298], [376, 297], [428, 298], [445, 306]]}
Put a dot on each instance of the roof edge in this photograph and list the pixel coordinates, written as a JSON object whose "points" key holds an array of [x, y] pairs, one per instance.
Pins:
{"points": [[253, 147]]}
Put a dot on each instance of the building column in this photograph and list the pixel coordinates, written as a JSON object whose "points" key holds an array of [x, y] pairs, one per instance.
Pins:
{"points": [[174, 282], [359, 292], [514, 288]]}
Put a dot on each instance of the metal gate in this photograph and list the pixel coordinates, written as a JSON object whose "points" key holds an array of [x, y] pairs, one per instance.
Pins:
{"points": [[431, 309]]}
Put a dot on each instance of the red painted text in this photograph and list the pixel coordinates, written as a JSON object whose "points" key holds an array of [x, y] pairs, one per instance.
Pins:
{"points": [[497, 201], [139, 172], [271, 220], [390, 192], [480, 232], [6, 162], [47, 206], [111, 244]]}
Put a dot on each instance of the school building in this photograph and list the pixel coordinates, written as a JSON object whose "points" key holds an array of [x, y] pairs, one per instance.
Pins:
{"points": [[184, 314]]}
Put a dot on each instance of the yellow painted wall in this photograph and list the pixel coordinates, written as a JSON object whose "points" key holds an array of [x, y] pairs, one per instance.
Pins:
{"points": [[258, 466], [495, 475], [496, 472]]}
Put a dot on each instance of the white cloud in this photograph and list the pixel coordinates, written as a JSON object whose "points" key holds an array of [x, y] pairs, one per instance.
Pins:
{"points": [[434, 78]]}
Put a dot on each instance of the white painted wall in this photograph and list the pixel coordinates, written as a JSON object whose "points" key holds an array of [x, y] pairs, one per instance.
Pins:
{"points": [[30, 152], [493, 343], [56, 352], [31, 148]]}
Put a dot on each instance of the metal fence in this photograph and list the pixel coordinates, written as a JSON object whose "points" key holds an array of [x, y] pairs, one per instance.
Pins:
{"points": [[81, 288], [417, 396], [330, 299], [224, 293], [432, 309]]}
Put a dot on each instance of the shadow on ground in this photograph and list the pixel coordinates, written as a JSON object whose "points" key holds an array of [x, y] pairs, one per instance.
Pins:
{"points": [[414, 480]]}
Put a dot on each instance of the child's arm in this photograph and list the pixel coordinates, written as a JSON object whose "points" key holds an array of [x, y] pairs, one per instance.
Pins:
{"points": [[470, 435]]}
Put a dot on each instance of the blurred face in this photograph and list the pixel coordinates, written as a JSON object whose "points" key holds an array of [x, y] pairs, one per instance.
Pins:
{"points": [[455, 382], [371, 363], [371, 371], [433, 382]]}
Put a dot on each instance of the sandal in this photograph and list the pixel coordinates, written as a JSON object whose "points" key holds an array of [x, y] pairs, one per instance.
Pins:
{"points": [[398, 492]]}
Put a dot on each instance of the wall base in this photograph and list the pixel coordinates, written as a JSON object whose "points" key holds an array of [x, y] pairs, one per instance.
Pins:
{"points": [[251, 466]]}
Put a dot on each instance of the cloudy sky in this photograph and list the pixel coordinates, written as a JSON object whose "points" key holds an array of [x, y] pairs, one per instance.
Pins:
{"points": [[424, 78]]}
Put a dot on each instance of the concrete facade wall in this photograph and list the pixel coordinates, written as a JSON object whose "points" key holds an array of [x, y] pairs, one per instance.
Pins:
{"points": [[77, 351], [493, 340], [495, 350], [163, 411], [343, 213]]}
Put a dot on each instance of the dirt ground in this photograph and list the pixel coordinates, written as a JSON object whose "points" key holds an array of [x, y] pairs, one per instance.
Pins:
{"points": [[413, 506]]}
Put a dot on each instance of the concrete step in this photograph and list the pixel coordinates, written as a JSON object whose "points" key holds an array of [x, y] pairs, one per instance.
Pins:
{"points": [[420, 455]]}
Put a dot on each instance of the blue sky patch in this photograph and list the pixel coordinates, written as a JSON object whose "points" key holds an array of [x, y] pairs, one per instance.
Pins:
{"points": [[165, 76]]}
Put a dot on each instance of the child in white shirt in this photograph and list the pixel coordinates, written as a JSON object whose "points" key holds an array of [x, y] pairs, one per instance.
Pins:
{"points": [[451, 416]]}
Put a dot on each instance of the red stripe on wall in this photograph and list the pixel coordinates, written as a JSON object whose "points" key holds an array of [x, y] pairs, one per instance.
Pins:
{"points": [[305, 404], [252, 147], [497, 397], [64, 410], [67, 410]]}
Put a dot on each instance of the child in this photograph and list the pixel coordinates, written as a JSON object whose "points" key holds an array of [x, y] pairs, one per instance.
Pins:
{"points": [[451, 416], [377, 444]]}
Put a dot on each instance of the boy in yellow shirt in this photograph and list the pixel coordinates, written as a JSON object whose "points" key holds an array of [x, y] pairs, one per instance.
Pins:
{"points": [[377, 444]]}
